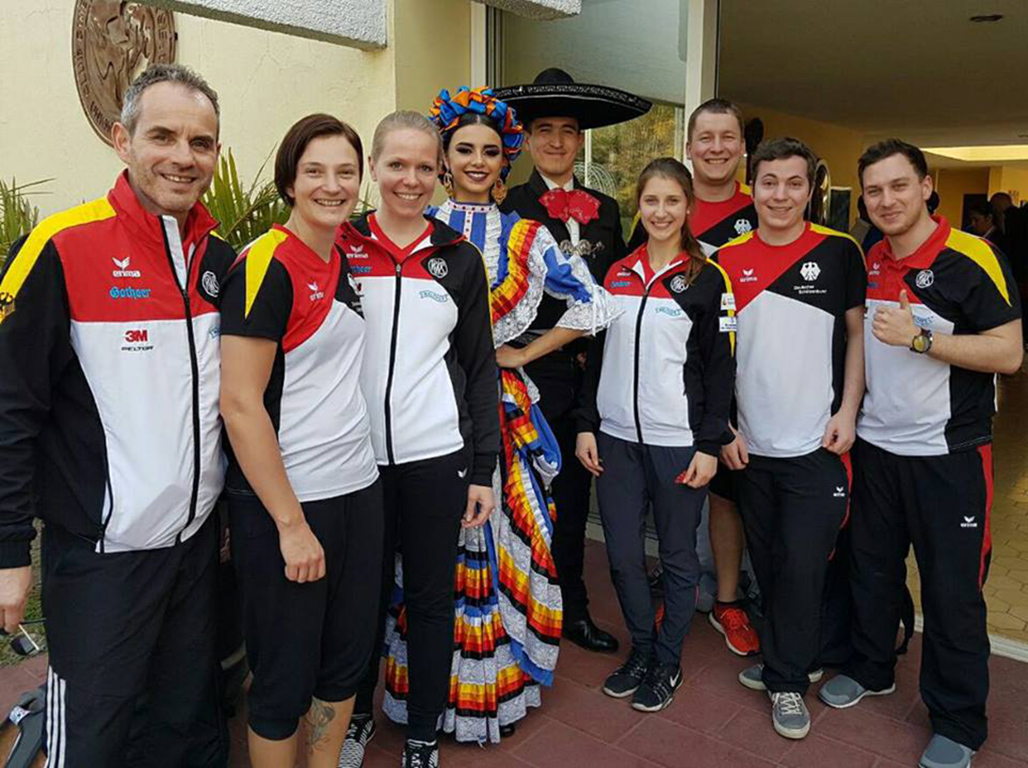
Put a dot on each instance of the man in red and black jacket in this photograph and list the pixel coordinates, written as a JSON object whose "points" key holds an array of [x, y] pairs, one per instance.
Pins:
{"points": [[942, 319], [110, 433]]}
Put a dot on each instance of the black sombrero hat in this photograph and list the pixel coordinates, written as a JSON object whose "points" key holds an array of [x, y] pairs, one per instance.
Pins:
{"points": [[554, 93]]}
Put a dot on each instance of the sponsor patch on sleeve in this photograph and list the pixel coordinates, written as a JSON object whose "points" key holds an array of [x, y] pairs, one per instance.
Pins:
{"points": [[728, 324], [728, 301]]}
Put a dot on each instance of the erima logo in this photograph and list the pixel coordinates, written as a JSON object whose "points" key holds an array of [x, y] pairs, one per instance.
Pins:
{"points": [[316, 293], [748, 276], [924, 278], [840, 492], [209, 281], [969, 522], [462, 473], [437, 267], [357, 252], [441, 298], [809, 271], [129, 293], [123, 268], [876, 268], [678, 283], [742, 226]]}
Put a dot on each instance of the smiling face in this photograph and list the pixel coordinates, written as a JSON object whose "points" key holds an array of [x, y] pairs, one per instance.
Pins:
{"points": [[172, 153], [781, 191], [715, 147], [327, 183], [663, 209], [475, 159], [896, 199], [405, 171], [553, 143]]}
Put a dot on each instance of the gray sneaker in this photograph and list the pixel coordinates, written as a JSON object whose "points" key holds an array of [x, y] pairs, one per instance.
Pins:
{"points": [[789, 714], [843, 691], [943, 752], [753, 677]]}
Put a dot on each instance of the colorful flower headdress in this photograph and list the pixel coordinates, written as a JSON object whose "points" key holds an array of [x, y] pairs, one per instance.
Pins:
{"points": [[447, 110]]}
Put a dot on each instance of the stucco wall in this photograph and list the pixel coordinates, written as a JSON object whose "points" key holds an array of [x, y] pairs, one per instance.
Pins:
{"points": [[266, 80]]}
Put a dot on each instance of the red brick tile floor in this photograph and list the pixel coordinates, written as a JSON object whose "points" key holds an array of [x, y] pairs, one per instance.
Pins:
{"points": [[713, 722]]}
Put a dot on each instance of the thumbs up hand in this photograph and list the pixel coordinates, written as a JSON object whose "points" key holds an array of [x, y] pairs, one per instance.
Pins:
{"points": [[895, 325]]}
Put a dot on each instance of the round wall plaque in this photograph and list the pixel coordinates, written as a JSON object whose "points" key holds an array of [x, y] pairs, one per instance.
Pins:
{"points": [[111, 43]]}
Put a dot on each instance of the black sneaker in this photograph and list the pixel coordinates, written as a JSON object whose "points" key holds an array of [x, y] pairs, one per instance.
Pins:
{"points": [[626, 678], [420, 754], [657, 690], [360, 732]]}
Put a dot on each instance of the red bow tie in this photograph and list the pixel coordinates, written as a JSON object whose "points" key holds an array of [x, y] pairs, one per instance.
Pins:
{"points": [[576, 204]]}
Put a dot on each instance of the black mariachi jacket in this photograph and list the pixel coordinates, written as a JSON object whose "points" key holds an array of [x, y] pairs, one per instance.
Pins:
{"points": [[601, 245]]}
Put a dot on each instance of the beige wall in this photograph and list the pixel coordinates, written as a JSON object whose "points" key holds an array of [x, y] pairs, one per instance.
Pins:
{"points": [[1013, 181], [953, 183], [839, 146], [432, 44], [266, 81]]}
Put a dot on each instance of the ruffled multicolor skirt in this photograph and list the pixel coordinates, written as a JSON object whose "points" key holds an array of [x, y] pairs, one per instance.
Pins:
{"points": [[508, 604]]}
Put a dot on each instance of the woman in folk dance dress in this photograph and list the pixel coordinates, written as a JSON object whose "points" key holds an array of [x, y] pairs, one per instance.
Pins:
{"points": [[508, 602]]}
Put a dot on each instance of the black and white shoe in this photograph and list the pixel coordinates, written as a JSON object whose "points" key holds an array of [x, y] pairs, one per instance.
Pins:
{"points": [[360, 732], [420, 754], [624, 680], [657, 690]]}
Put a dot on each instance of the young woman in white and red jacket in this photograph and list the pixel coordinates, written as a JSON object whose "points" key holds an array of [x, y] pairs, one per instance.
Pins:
{"points": [[429, 378], [654, 408]]}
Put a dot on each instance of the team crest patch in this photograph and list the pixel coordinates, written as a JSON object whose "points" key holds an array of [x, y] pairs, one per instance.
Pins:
{"points": [[742, 226], [210, 284], [678, 284], [924, 278], [6, 306], [809, 271], [437, 267]]}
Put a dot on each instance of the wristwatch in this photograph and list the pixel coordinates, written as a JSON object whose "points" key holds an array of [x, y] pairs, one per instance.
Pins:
{"points": [[922, 342]]}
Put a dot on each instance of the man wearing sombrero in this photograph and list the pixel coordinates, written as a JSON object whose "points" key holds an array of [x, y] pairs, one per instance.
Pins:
{"points": [[555, 111]]}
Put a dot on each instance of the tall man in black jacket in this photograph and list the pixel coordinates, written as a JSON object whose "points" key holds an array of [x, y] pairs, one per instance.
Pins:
{"points": [[556, 111]]}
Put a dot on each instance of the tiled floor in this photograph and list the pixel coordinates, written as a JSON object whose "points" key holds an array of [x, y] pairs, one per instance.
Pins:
{"points": [[1006, 590], [714, 722]]}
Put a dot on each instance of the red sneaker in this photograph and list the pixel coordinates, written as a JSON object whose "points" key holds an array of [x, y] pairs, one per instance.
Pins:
{"points": [[732, 622]]}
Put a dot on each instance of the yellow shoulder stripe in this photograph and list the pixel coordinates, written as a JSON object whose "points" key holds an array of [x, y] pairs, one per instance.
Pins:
{"points": [[981, 254], [746, 189], [97, 210], [728, 289], [835, 233], [745, 238], [258, 259]]}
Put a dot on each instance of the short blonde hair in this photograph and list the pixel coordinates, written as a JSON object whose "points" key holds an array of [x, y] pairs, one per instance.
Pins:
{"points": [[405, 119]]}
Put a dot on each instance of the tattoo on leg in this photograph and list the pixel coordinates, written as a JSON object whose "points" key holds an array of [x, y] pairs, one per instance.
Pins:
{"points": [[319, 716]]}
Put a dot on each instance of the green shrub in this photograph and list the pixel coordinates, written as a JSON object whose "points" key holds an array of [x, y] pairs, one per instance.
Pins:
{"points": [[17, 215]]}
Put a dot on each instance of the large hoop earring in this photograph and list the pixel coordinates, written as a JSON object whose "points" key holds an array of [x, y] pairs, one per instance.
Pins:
{"points": [[448, 183], [499, 191]]}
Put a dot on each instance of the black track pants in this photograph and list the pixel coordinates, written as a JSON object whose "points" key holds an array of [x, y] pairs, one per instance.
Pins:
{"points": [[792, 510], [634, 477], [424, 503], [941, 505]]}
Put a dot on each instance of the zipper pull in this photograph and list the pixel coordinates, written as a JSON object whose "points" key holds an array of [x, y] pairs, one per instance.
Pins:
{"points": [[398, 270]]}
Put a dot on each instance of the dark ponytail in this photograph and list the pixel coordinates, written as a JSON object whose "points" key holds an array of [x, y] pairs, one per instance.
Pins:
{"points": [[669, 168]]}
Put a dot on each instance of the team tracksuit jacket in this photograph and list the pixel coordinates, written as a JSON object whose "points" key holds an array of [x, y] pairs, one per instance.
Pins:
{"points": [[109, 347]]}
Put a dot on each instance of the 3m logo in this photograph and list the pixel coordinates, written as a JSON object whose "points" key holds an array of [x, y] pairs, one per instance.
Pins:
{"points": [[123, 268], [137, 336]]}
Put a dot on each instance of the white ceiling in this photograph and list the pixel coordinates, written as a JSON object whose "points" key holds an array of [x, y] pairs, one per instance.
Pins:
{"points": [[917, 69]]}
